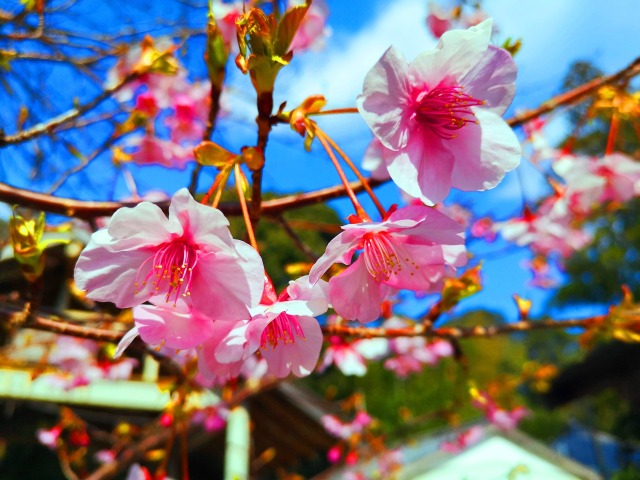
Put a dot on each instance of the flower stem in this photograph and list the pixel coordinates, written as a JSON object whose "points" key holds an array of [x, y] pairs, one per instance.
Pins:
{"points": [[355, 169], [350, 193], [335, 111], [613, 133], [243, 204]]}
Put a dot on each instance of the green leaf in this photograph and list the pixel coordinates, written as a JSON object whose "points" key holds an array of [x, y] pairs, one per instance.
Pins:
{"points": [[212, 154], [288, 28]]}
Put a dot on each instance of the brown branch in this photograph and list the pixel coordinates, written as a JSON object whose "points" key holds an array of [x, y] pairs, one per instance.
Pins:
{"points": [[88, 210], [62, 327], [424, 330], [577, 94], [51, 124], [264, 121]]}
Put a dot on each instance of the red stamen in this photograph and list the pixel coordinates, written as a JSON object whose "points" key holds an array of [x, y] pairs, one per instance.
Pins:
{"points": [[445, 109], [283, 328], [172, 266]]}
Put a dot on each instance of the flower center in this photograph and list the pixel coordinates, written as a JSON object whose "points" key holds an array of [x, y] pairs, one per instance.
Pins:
{"points": [[445, 109], [283, 328], [172, 271], [380, 257]]}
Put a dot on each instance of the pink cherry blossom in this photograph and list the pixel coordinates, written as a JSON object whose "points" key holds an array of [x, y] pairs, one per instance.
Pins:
{"points": [[501, 418], [49, 437], [411, 354], [438, 20], [414, 248], [211, 418], [440, 114], [226, 15], [590, 182], [545, 232], [190, 255], [285, 330], [464, 440], [344, 430], [351, 357], [483, 228], [79, 364]]}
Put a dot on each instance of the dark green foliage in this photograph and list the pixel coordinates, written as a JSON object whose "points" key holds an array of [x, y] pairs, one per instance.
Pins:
{"points": [[611, 260]]}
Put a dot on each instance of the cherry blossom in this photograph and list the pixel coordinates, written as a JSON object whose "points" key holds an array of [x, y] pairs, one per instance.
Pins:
{"points": [[414, 248], [464, 440], [440, 114], [190, 255], [351, 357], [545, 232], [411, 354], [49, 437], [80, 363], [285, 330], [501, 418], [590, 182], [344, 430]]}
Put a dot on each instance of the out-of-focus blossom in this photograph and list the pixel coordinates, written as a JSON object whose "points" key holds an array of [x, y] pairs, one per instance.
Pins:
{"points": [[591, 182], [105, 456], [373, 160], [411, 354], [544, 232], [211, 418], [440, 20], [351, 357], [49, 437], [344, 430], [483, 228], [455, 212], [413, 248], [464, 440], [501, 418], [226, 15], [79, 364], [440, 115]]}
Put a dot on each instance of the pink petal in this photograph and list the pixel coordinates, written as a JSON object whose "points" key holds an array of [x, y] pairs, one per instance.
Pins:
{"points": [[138, 227], [385, 99], [128, 337], [111, 276], [499, 149], [299, 357], [423, 169], [492, 80], [456, 54], [204, 225], [355, 295], [224, 285], [340, 249], [177, 329]]}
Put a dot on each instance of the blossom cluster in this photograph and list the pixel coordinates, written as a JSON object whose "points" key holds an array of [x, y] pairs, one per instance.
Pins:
{"points": [[193, 287]]}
